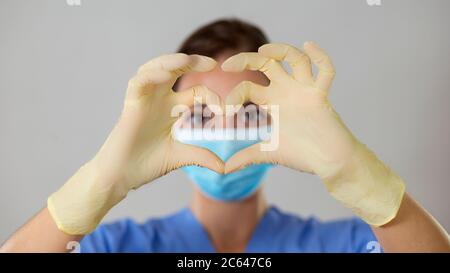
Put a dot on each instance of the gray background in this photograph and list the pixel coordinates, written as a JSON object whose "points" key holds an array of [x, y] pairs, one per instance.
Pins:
{"points": [[64, 70]]}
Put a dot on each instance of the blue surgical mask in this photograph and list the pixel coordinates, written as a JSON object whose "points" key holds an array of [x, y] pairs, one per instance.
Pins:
{"points": [[225, 187]]}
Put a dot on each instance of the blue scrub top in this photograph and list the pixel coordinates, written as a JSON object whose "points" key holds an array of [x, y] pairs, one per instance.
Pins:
{"points": [[277, 231]]}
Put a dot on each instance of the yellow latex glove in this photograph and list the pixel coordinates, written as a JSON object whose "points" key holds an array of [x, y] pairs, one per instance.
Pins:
{"points": [[312, 137], [139, 149]]}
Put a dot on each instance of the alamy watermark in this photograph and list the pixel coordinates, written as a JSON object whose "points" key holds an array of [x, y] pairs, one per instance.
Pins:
{"points": [[249, 122], [73, 2], [375, 3], [373, 247]]}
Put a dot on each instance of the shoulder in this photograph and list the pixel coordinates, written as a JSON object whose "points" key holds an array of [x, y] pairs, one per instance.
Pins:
{"points": [[128, 235], [313, 235]]}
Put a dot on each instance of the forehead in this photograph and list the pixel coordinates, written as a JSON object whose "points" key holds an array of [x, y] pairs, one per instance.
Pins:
{"points": [[220, 81]]}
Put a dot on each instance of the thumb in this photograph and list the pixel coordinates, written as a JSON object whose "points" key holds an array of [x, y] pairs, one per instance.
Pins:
{"points": [[248, 156], [188, 155]]}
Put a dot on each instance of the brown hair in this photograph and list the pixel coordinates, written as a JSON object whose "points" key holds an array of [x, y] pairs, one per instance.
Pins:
{"points": [[224, 35], [221, 36]]}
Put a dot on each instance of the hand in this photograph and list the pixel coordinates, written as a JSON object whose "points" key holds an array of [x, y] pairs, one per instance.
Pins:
{"points": [[140, 148], [141, 144], [312, 137]]}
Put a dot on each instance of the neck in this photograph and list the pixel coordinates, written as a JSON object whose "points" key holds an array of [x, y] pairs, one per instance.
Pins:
{"points": [[230, 225]]}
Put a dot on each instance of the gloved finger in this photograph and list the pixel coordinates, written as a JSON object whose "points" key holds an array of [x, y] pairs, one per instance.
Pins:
{"points": [[168, 62], [297, 60], [200, 63], [247, 91], [254, 61], [143, 83], [251, 155], [322, 60], [179, 63], [198, 94], [188, 155]]}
